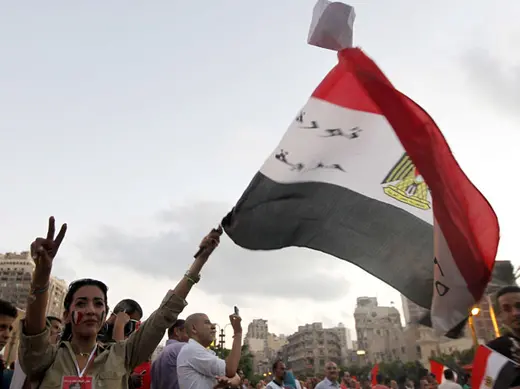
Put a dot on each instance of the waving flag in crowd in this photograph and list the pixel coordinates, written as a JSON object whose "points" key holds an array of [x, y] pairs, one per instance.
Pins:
{"points": [[492, 370], [438, 369], [364, 174]]}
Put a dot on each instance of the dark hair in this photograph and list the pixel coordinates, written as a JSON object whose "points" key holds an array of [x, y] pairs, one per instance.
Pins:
{"points": [[8, 309], [448, 374], [73, 288], [275, 364], [178, 324], [129, 306], [402, 379], [53, 318], [506, 290]]}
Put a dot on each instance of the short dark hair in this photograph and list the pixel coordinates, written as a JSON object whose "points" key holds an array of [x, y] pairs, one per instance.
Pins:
{"points": [[8, 309], [506, 290], [448, 374], [275, 364], [129, 306], [53, 318], [178, 324]]}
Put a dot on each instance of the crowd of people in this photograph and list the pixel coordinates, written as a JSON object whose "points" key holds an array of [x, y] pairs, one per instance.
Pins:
{"points": [[92, 347]]}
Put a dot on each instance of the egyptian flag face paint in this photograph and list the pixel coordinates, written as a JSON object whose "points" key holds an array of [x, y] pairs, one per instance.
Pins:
{"points": [[77, 317]]}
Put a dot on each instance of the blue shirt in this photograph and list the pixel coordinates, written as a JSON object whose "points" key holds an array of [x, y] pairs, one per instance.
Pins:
{"points": [[164, 368]]}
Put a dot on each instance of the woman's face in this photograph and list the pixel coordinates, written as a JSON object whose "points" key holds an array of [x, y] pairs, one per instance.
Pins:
{"points": [[87, 312]]}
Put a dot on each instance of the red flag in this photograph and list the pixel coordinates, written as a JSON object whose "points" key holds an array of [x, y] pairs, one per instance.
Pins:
{"points": [[373, 374], [437, 369]]}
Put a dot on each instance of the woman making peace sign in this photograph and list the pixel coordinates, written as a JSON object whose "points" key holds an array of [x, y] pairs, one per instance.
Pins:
{"points": [[78, 360]]}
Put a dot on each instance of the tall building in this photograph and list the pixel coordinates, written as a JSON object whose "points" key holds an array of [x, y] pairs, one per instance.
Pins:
{"points": [[309, 348], [257, 329], [412, 312], [379, 331], [57, 292], [15, 283], [263, 345], [344, 341], [15, 277]]}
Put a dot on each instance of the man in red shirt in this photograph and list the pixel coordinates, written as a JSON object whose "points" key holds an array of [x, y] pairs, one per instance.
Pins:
{"points": [[144, 370]]}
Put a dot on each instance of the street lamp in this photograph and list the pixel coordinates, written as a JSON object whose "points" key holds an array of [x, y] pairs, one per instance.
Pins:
{"points": [[362, 353], [493, 316], [471, 322], [222, 337]]}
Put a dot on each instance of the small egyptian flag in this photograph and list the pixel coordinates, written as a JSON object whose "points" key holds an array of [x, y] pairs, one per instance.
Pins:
{"points": [[364, 174], [373, 374], [492, 370], [438, 369]]}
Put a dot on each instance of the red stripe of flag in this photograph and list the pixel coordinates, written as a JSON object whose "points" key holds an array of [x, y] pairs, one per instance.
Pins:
{"points": [[437, 369], [479, 366]]}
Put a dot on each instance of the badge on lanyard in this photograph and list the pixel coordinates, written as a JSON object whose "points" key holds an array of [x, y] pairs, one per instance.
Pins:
{"points": [[74, 382], [80, 381]]}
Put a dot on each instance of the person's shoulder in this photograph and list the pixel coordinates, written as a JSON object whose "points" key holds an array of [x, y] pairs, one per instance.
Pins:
{"points": [[186, 352], [176, 347]]}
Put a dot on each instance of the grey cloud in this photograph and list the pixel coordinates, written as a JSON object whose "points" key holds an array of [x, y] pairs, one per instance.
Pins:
{"points": [[231, 271], [491, 79]]}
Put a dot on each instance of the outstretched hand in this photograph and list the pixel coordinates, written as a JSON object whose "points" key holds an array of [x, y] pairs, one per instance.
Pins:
{"points": [[209, 243], [43, 250]]}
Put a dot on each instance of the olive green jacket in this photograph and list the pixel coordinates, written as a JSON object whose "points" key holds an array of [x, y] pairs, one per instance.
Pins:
{"points": [[112, 364]]}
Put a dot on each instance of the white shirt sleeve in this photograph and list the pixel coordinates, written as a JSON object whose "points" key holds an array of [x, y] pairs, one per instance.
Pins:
{"points": [[207, 364], [19, 377]]}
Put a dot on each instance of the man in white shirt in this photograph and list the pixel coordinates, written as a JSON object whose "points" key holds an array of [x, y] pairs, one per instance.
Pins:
{"points": [[197, 366], [331, 377], [278, 376], [449, 381]]}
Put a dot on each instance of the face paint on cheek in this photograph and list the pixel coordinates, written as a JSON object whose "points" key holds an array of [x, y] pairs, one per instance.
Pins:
{"points": [[77, 317]]}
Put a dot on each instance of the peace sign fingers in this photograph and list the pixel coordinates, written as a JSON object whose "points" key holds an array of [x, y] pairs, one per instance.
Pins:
{"points": [[43, 250]]}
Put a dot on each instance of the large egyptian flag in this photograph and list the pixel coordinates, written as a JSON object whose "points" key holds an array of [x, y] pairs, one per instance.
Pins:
{"points": [[364, 174]]}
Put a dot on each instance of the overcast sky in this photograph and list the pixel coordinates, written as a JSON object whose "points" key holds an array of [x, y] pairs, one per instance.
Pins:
{"points": [[141, 123]]}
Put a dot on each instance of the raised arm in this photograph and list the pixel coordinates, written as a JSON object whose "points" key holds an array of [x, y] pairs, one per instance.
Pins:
{"points": [[141, 344], [36, 354]]}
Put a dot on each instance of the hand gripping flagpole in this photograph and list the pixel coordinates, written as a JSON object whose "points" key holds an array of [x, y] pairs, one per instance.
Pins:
{"points": [[332, 25], [202, 248]]}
